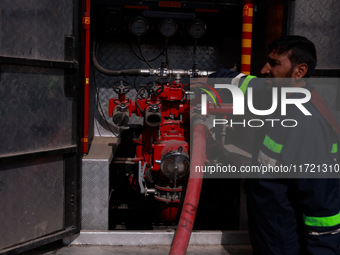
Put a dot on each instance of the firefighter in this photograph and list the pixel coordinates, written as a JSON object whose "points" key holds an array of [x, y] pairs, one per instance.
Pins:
{"points": [[294, 215]]}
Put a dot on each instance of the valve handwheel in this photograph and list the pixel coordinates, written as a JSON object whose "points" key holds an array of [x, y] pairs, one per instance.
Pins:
{"points": [[122, 88]]}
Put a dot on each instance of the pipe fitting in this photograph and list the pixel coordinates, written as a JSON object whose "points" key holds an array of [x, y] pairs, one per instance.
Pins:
{"points": [[153, 116], [121, 115]]}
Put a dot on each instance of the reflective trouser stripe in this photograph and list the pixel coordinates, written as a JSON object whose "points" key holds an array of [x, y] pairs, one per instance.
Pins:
{"points": [[245, 83], [314, 233], [328, 221], [265, 159], [272, 145]]}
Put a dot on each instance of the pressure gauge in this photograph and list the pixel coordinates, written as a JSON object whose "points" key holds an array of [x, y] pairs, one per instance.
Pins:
{"points": [[138, 26], [197, 28], [167, 27]]}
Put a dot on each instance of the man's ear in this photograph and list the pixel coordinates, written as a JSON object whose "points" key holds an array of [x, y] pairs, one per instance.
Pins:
{"points": [[300, 70]]}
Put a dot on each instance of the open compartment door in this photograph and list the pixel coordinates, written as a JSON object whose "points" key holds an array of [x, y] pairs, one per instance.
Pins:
{"points": [[39, 160]]}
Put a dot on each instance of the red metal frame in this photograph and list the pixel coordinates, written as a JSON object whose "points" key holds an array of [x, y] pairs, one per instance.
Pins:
{"points": [[86, 80], [247, 29]]}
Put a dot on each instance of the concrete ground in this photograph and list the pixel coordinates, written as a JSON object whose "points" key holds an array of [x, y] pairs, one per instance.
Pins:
{"points": [[147, 250], [146, 242]]}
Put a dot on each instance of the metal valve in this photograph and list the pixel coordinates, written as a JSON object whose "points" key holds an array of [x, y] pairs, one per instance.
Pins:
{"points": [[122, 88], [153, 89]]}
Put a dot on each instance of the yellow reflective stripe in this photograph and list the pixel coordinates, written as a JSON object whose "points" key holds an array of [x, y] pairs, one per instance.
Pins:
{"points": [[246, 43], [247, 27], [328, 221], [272, 145], [246, 59]]}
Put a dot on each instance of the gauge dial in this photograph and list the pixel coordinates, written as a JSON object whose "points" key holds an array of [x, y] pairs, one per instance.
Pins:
{"points": [[167, 27], [197, 28], [138, 26]]}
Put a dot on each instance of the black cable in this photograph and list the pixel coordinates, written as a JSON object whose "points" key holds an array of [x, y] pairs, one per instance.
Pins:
{"points": [[166, 53], [194, 58], [150, 60], [141, 53], [167, 62], [134, 53], [136, 99], [100, 105], [134, 83]]}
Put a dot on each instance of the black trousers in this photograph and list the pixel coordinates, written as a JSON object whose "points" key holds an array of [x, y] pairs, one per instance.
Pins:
{"points": [[277, 211]]}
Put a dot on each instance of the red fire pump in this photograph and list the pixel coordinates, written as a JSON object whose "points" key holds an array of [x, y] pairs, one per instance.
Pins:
{"points": [[162, 149]]}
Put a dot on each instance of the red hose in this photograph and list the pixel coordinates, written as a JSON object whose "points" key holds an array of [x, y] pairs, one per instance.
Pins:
{"points": [[188, 214]]}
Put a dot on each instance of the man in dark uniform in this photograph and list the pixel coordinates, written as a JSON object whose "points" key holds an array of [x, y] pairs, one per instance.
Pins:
{"points": [[296, 215]]}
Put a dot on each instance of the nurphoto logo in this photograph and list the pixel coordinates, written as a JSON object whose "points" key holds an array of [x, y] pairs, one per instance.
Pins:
{"points": [[238, 104]]}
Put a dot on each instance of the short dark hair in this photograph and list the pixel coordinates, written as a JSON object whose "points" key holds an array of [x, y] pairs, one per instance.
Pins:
{"points": [[301, 50]]}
